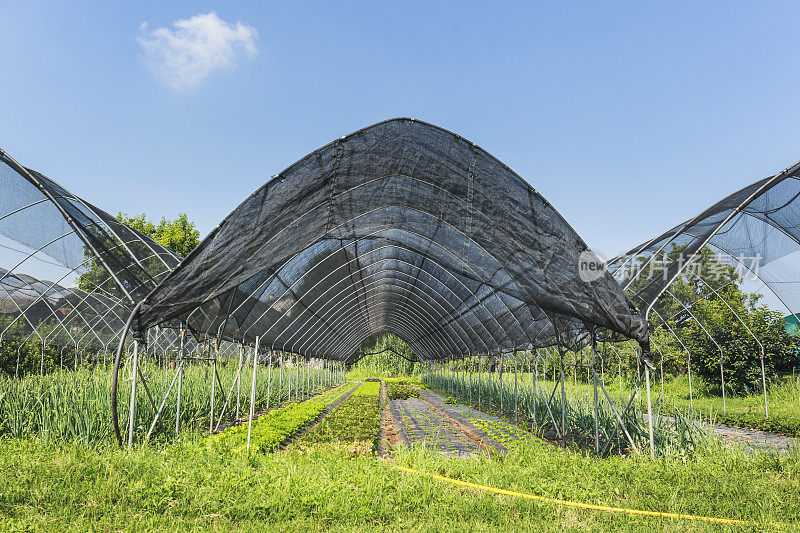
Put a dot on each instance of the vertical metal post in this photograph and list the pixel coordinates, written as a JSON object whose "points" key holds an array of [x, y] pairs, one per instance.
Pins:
{"points": [[563, 398], [516, 391], [722, 376], [764, 383], [213, 385], [596, 409], [289, 383], [239, 380], [178, 401], [269, 380], [535, 384], [280, 379], [501, 382], [252, 393], [134, 374], [649, 411], [479, 381], [180, 384]]}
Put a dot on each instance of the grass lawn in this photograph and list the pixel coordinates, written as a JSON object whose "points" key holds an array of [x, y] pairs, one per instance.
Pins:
{"points": [[187, 485]]}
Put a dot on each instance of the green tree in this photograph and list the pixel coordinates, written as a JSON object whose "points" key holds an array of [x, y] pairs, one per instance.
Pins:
{"points": [[741, 354], [388, 354], [179, 235], [706, 299]]}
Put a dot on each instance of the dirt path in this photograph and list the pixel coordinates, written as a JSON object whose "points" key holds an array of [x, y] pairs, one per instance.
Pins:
{"points": [[753, 437], [419, 422], [389, 437], [452, 430]]}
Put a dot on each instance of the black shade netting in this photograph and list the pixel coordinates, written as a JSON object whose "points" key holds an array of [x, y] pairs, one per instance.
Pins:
{"points": [[400, 227]]}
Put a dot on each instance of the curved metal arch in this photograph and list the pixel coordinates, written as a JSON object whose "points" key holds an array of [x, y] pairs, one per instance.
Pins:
{"points": [[444, 269], [439, 304], [343, 317], [377, 231], [432, 261]]}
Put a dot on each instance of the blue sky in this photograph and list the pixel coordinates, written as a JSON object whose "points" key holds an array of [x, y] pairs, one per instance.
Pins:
{"points": [[628, 117]]}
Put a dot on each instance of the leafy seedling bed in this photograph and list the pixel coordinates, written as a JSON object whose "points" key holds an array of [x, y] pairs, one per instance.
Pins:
{"points": [[355, 420], [401, 391]]}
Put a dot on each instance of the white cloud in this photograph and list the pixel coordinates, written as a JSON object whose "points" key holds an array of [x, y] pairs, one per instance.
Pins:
{"points": [[186, 55]]}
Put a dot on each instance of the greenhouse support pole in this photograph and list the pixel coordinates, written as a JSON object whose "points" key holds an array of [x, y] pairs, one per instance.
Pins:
{"points": [[648, 365], [649, 412], [516, 391], [563, 400], [479, 382], [764, 382], [471, 382], [535, 383], [594, 384], [252, 393], [132, 412], [280, 378], [213, 385], [178, 399], [500, 382], [269, 380], [239, 380], [181, 349]]}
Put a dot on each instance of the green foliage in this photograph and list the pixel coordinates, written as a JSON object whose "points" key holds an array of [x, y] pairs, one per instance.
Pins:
{"points": [[270, 430], [383, 359], [188, 486], [74, 406], [21, 348], [675, 432], [741, 354], [179, 235], [706, 299], [401, 391], [333, 395], [356, 420], [368, 389], [774, 424]]}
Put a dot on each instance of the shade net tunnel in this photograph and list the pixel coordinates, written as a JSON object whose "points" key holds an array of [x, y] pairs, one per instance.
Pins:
{"points": [[70, 273], [755, 230], [748, 243], [401, 227]]}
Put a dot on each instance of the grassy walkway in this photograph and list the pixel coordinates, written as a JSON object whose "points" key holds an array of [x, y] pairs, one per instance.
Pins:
{"points": [[187, 485]]}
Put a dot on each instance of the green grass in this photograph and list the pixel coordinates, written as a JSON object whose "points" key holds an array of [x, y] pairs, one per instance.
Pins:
{"points": [[187, 485]]}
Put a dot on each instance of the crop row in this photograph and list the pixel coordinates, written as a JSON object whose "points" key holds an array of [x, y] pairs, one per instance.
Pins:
{"points": [[269, 430], [356, 420], [501, 431], [74, 405], [333, 395], [401, 391], [436, 430]]}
